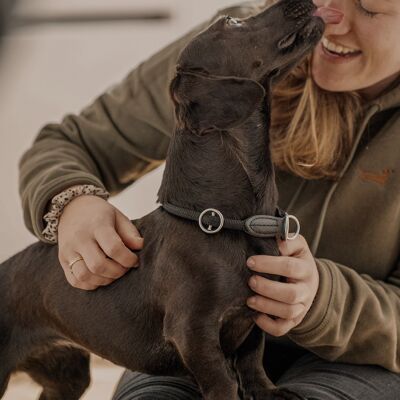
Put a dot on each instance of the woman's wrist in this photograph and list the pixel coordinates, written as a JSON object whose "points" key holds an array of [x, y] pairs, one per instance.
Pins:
{"points": [[60, 201]]}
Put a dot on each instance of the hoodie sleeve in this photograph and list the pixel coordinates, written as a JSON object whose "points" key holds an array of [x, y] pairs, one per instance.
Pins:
{"points": [[354, 318]]}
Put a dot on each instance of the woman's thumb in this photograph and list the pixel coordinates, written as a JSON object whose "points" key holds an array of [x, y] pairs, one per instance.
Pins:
{"points": [[128, 232]]}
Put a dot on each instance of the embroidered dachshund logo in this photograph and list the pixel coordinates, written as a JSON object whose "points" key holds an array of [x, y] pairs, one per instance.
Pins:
{"points": [[379, 178]]}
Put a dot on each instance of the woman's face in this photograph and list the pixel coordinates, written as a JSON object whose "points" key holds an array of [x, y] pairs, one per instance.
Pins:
{"points": [[370, 35]]}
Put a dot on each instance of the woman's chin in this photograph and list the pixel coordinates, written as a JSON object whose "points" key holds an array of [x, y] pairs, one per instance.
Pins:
{"points": [[331, 82], [329, 86]]}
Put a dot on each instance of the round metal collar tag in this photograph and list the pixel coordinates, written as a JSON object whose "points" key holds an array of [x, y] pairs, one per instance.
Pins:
{"points": [[209, 229]]}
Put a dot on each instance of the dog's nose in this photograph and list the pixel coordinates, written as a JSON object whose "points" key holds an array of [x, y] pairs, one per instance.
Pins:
{"points": [[298, 9]]}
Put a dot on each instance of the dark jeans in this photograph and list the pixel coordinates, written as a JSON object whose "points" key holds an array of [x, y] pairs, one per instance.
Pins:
{"points": [[309, 376]]}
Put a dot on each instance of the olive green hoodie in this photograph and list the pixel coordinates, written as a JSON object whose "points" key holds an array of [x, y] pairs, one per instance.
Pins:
{"points": [[352, 226]]}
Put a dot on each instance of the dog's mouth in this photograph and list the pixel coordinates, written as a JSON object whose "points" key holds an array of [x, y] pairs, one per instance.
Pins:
{"points": [[303, 39], [312, 30]]}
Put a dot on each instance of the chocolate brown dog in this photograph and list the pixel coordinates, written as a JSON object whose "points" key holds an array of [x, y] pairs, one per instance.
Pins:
{"points": [[183, 311]]}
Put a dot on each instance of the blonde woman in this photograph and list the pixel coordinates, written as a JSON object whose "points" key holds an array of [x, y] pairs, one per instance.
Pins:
{"points": [[335, 142]]}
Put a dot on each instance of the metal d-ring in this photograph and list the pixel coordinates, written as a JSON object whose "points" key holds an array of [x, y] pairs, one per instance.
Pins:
{"points": [[289, 217], [213, 212]]}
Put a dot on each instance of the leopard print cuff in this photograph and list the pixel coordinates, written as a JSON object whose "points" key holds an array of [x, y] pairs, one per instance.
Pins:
{"points": [[58, 203]]}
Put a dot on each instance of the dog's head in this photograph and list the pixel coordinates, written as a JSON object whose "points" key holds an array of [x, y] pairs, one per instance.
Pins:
{"points": [[226, 70]]}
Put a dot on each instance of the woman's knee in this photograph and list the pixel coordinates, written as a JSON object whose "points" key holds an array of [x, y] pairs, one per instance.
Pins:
{"points": [[139, 386], [317, 379]]}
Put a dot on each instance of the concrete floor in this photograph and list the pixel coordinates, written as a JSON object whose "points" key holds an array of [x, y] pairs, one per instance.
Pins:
{"points": [[48, 71]]}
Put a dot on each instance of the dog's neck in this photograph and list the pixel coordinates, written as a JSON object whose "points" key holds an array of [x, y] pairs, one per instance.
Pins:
{"points": [[231, 171]]}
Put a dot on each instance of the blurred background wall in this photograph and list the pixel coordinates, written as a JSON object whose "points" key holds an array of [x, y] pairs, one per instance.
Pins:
{"points": [[51, 65]]}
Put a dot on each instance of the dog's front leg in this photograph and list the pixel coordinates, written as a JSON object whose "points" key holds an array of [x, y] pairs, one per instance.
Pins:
{"points": [[254, 382], [197, 341]]}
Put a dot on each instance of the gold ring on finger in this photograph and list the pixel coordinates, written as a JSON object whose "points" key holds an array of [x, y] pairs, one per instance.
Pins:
{"points": [[70, 265]]}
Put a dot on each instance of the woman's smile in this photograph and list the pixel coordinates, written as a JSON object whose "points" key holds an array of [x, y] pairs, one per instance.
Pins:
{"points": [[337, 48], [337, 54]]}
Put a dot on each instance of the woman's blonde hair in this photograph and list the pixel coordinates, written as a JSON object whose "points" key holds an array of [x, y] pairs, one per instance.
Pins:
{"points": [[312, 130]]}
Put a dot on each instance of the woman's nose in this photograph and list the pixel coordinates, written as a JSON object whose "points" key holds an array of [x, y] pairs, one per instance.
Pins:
{"points": [[344, 25]]}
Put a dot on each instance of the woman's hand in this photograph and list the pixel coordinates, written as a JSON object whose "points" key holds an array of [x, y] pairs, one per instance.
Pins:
{"points": [[288, 302], [93, 229]]}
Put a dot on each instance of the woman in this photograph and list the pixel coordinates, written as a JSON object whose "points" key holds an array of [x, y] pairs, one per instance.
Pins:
{"points": [[334, 141]]}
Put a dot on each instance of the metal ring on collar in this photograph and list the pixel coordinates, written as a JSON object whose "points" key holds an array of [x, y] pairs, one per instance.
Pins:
{"points": [[287, 223], [213, 212]]}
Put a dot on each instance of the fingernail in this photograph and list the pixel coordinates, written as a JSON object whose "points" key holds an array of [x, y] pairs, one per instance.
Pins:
{"points": [[139, 240], [251, 301], [253, 282], [251, 262], [136, 264]]}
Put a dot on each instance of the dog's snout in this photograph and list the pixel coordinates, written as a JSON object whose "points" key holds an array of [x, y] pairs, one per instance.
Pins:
{"points": [[299, 9]]}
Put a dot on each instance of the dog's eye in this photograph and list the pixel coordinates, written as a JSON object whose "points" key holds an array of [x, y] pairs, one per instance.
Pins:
{"points": [[233, 21]]}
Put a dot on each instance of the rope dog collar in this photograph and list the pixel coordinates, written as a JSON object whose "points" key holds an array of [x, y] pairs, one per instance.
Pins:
{"points": [[212, 221]]}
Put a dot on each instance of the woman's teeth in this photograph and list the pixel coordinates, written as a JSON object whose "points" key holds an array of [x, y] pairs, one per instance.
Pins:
{"points": [[337, 49]]}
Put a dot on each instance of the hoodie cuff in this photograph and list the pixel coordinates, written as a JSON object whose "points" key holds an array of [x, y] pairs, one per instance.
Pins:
{"points": [[41, 200], [318, 314], [60, 201]]}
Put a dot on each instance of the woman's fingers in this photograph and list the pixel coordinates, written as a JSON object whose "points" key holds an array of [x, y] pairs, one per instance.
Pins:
{"points": [[290, 267], [288, 301], [113, 246], [76, 284], [82, 274], [276, 308], [79, 276], [275, 327], [91, 227], [296, 247], [98, 264], [289, 293], [128, 232]]}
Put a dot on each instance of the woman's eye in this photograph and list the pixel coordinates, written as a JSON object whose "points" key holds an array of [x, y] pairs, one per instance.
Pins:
{"points": [[364, 10]]}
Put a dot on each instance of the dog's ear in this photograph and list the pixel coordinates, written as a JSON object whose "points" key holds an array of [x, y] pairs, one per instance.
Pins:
{"points": [[206, 103]]}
